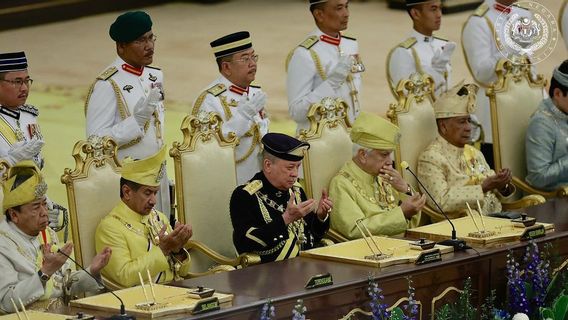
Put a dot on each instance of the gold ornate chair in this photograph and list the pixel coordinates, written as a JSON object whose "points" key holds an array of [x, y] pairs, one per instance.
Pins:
{"points": [[205, 176], [402, 300], [360, 314], [513, 98], [96, 176], [449, 294], [330, 147]]}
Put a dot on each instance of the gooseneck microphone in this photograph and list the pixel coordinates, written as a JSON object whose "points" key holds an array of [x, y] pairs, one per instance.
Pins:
{"points": [[458, 244], [122, 315]]}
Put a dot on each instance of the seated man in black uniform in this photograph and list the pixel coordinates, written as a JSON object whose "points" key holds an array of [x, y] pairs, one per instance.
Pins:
{"points": [[271, 214]]}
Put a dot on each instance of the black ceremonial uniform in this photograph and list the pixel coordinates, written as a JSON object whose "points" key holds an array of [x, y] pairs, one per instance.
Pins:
{"points": [[258, 227]]}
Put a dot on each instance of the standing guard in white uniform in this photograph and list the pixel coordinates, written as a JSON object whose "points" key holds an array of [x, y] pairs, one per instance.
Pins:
{"points": [[20, 134], [240, 104], [325, 64], [482, 51], [126, 100], [422, 52]]}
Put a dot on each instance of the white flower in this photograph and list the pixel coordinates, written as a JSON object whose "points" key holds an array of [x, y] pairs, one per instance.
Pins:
{"points": [[520, 316]]}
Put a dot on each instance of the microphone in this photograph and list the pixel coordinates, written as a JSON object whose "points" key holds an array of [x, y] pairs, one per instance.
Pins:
{"points": [[122, 315], [458, 244]]}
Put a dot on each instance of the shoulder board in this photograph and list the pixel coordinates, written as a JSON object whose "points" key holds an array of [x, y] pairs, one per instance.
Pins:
{"points": [[408, 43], [217, 89], [521, 5], [348, 36], [481, 10], [440, 38], [107, 73], [254, 85], [309, 42], [30, 109], [253, 186], [153, 67]]}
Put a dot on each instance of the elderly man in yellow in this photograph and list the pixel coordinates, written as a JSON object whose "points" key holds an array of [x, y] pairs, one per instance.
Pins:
{"points": [[35, 269], [140, 237], [454, 172], [368, 187]]}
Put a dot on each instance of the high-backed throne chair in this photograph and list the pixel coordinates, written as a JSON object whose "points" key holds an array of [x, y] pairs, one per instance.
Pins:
{"points": [[513, 98], [205, 175], [330, 147]]}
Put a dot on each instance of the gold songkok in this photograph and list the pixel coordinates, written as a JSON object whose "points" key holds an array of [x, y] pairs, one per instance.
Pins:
{"points": [[374, 132], [459, 101], [23, 185], [146, 172]]}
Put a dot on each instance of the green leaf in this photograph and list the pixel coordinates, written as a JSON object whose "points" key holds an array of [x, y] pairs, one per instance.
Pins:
{"points": [[560, 307], [546, 313], [397, 314]]}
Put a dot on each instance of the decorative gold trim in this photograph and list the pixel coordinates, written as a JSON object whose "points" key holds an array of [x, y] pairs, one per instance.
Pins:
{"points": [[226, 264], [485, 85], [328, 113], [355, 311], [98, 152], [318, 64], [440, 297], [405, 299]]}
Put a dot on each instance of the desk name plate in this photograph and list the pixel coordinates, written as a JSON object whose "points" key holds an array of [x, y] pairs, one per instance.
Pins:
{"points": [[206, 305], [428, 256], [320, 280], [533, 232]]}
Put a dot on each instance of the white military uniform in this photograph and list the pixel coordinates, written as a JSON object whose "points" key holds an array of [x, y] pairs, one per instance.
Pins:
{"points": [[564, 21], [20, 260], [482, 54], [109, 112], [308, 66], [17, 125], [222, 97], [415, 55]]}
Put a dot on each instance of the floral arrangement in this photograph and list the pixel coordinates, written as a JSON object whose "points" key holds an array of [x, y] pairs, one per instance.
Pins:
{"points": [[268, 311]]}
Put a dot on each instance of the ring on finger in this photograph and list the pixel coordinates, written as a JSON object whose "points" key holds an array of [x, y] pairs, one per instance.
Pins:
{"points": [[391, 178]]}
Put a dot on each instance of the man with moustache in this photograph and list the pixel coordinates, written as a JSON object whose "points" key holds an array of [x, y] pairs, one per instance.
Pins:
{"points": [[126, 100], [422, 52], [139, 235], [33, 270], [20, 135], [240, 103], [271, 214], [325, 64]]}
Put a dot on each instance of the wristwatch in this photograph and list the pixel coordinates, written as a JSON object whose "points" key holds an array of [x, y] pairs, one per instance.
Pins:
{"points": [[42, 276]]}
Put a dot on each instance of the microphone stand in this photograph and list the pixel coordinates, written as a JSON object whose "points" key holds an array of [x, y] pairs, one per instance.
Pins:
{"points": [[458, 244], [122, 315]]}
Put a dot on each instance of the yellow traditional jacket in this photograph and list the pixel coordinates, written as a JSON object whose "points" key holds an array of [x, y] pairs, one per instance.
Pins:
{"points": [[454, 175], [359, 195], [132, 238]]}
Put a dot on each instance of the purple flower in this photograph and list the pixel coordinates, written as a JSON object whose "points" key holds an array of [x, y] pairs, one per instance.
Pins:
{"points": [[378, 309]]}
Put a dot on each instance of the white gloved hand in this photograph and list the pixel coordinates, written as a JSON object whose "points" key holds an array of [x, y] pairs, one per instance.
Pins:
{"points": [[339, 73], [52, 214], [262, 125], [442, 57], [251, 106], [145, 107], [24, 150]]}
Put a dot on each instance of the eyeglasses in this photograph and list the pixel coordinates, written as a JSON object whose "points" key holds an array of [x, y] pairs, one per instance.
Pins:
{"points": [[247, 59], [18, 83], [143, 41]]}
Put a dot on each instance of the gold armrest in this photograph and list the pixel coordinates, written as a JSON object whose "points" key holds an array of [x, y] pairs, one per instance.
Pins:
{"points": [[526, 201], [326, 242], [561, 192], [335, 236], [243, 260], [111, 286], [435, 216]]}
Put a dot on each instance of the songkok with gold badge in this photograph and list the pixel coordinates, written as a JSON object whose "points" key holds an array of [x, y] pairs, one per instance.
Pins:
{"points": [[374, 132], [284, 147], [456, 102], [146, 172], [24, 184], [130, 26], [13, 61], [231, 43]]}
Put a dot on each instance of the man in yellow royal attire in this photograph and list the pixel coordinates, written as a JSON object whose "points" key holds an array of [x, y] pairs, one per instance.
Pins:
{"points": [[368, 187], [34, 271], [454, 172], [139, 235]]}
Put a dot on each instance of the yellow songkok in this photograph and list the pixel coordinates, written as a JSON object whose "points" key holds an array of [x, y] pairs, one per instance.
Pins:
{"points": [[458, 101], [374, 132], [147, 172], [23, 185]]}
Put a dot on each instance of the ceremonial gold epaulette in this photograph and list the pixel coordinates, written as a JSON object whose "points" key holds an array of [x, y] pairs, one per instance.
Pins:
{"points": [[217, 89], [521, 5], [408, 43], [253, 186], [440, 38], [309, 42], [348, 36], [481, 10], [154, 67], [107, 73]]}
